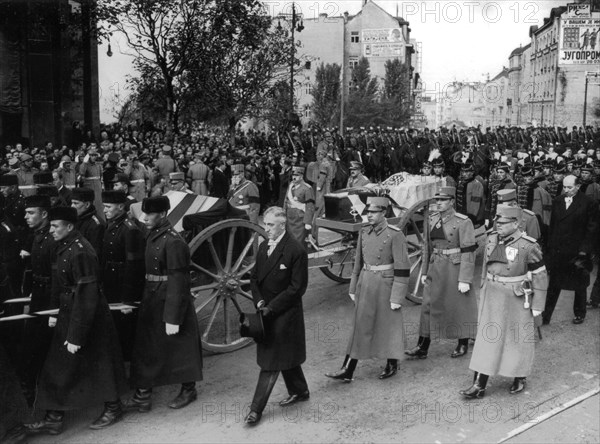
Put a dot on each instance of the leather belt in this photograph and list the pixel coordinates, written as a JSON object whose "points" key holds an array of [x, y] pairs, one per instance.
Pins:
{"points": [[27, 187], [449, 251], [137, 181], [506, 279], [92, 178], [378, 267], [156, 278]]}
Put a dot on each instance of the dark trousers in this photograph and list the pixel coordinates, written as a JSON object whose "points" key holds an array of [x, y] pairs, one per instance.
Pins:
{"points": [[554, 289], [595, 296], [294, 381]]}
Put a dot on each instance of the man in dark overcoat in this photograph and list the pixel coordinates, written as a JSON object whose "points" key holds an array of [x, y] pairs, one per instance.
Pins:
{"points": [[167, 342], [89, 224], [122, 265], [571, 240], [84, 365], [278, 283]]}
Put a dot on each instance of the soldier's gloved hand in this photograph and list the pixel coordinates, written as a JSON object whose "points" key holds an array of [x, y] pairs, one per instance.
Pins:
{"points": [[51, 322], [318, 189], [352, 296], [536, 313], [308, 227], [423, 279], [24, 254], [395, 306], [261, 303], [171, 329], [72, 348], [126, 311], [463, 287], [266, 311]]}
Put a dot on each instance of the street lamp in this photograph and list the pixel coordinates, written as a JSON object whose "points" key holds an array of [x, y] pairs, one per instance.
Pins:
{"points": [[292, 116]]}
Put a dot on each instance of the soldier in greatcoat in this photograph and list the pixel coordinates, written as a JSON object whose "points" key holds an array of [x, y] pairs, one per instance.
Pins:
{"points": [[37, 335], [122, 265], [139, 179], [14, 213], [84, 366], [90, 173], [513, 265], [199, 176], [357, 178], [470, 196], [529, 223], [299, 206], [167, 342], [379, 283], [449, 308], [89, 223], [244, 194]]}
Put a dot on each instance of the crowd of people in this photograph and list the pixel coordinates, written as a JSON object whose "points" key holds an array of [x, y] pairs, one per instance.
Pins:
{"points": [[69, 241]]}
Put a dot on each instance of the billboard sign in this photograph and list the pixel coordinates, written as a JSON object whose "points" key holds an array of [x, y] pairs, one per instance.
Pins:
{"points": [[579, 41]]}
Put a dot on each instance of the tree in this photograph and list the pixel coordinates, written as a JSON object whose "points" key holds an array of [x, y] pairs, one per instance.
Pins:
{"points": [[362, 98], [326, 94], [396, 102], [277, 106]]}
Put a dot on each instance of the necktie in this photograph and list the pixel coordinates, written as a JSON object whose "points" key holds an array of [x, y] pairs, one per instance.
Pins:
{"points": [[568, 202], [272, 245]]}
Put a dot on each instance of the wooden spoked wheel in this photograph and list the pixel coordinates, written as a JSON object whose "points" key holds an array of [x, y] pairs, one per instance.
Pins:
{"points": [[338, 266], [223, 256], [414, 223]]}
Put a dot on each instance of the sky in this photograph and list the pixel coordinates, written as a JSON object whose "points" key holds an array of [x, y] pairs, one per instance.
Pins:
{"points": [[461, 40]]}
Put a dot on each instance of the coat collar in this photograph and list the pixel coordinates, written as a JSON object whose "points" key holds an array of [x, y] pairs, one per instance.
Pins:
{"points": [[112, 224], [266, 263], [158, 231]]}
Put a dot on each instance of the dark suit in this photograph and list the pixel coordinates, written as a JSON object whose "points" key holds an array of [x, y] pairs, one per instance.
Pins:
{"points": [[572, 231], [280, 280], [220, 184]]}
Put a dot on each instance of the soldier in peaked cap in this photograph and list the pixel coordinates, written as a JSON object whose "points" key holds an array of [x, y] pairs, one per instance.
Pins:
{"points": [[438, 172], [529, 223], [513, 263], [449, 308], [26, 175], [166, 164], [588, 185], [177, 183], [502, 182], [379, 284], [470, 196], [84, 366], [299, 206], [37, 335], [122, 264], [88, 222], [90, 173], [167, 342], [244, 193], [357, 179]]}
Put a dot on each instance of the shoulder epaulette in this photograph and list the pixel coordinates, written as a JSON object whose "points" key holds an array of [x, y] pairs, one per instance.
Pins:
{"points": [[394, 227], [531, 213], [95, 219], [529, 238], [461, 216], [129, 223], [5, 225]]}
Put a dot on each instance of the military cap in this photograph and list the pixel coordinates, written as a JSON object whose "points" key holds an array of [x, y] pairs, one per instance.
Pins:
{"points": [[508, 212], [507, 195], [7, 180], [13, 161], [526, 170], [121, 177], [439, 162], [113, 157], [446, 193], [166, 149], [47, 190], [298, 170], [238, 168], [25, 157], [377, 203], [37, 201], [467, 166], [538, 166], [176, 177], [588, 167], [65, 159], [252, 326], [42, 178], [114, 197], [156, 204], [427, 164], [68, 214], [83, 194], [503, 166], [560, 168], [354, 165]]}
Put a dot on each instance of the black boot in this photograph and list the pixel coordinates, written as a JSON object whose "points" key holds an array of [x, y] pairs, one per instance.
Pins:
{"points": [[52, 424], [141, 401], [112, 413], [347, 371], [187, 395], [461, 348], [518, 385], [477, 390], [390, 369], [420, 351]]}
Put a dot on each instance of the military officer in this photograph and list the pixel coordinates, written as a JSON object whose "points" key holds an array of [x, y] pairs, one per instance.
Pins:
{"points": [[25, 175], [122, 264], [357, 179], [90, 172], [177, 183], [529, 223], [513, 273], [379, 283], [139, 179], [244, 193], [167, 342], [449, 308], [88, 222], [199, 175], [470, 196], [37, 335], [84, 364], [323, 182], [299, 206], [532, 197], [438, 172]]}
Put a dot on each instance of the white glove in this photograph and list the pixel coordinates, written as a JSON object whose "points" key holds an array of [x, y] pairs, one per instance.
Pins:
{"points": [[463, 287], [51, 322], [86, 159], [536, 312], [318, 189], [307, 226], [24, 254], [126, 311], [72, 348], [395, 306], [352, 296], [423, 279], [261, 303], [171, 329]]}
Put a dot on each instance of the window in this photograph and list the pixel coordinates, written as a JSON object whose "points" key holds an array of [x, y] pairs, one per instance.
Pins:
{"points": [[354, 37], [308, 89], [353, 61]]}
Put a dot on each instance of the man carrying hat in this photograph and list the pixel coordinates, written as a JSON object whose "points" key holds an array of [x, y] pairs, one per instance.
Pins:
{"points": [[244, 193], [449, 309], [299, 206], [513, 293], [88, 222], [529, 223], [167, 343], [379, 283], [122, 264], [357, 179], [37, 335], [84, 366]]}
